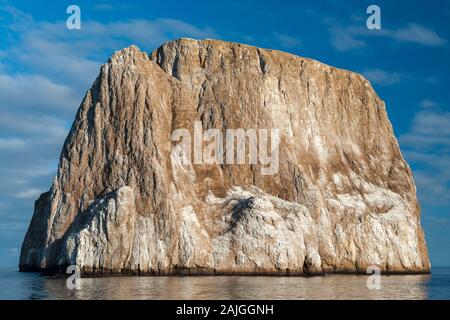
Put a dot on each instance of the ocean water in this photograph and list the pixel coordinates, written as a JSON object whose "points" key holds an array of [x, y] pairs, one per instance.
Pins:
{"points": [[16, 285]]}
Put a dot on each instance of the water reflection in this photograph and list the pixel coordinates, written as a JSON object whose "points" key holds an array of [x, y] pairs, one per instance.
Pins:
{"points": [[328, 287], [32, 286]]}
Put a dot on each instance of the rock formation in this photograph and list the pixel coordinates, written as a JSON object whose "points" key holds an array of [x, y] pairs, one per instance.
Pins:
{"points": [[343, 197]]}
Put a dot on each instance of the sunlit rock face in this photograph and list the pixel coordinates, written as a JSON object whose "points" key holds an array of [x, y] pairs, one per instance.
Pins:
{"points": [[341, 199]]}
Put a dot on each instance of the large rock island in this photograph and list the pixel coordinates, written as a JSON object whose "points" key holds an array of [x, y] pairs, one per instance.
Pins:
{"points": [[341, 199]]}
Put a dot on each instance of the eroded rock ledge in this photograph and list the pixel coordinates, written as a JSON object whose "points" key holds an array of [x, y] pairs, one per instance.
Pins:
{"points": [[342, 200]]}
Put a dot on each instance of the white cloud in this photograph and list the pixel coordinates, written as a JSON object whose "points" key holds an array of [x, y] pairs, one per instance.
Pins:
{"points": [[345, 38], [33, 125], [417, 34], [74, 56], [287, 41], [103, 7], [433, 190], [382, 77], [427, 147], [434, 124], [13, 252], [38, 103], [36, 93], [427, 103], [11, 143], [29, 194], [8, 226]]}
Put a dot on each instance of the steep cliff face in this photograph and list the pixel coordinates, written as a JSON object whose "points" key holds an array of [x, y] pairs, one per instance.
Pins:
{"points": [[340, 198]]}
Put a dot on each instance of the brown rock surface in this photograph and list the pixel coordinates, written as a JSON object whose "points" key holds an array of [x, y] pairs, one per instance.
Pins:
{"points": [[343, 198]]}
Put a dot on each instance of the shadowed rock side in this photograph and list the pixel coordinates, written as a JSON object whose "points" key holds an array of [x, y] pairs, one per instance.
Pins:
{"points": [[342, 200]]}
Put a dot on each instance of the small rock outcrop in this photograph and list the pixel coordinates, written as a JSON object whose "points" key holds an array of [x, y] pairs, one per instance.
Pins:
{"points": [[340, 198]]}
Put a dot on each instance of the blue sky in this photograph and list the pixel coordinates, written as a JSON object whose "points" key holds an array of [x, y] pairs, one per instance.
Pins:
{"points": [[45, 70]]}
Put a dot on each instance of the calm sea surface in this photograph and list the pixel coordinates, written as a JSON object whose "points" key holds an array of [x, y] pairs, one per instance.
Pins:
{"points": [[16, 285]]}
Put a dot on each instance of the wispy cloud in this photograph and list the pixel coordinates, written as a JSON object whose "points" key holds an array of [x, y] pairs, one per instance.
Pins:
{"points": [[427, 147], [416, 33], [13, 252], [345, 38], [11, 143], [287, 41], [74, 56], [110, 7], [382, 77], [45, 70], [37, 93], [428, 104], [11, 226], [29, 194]]}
